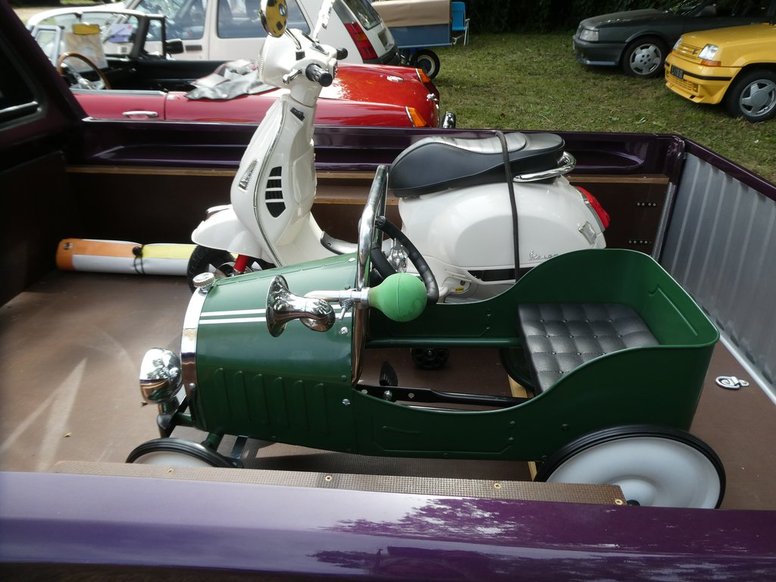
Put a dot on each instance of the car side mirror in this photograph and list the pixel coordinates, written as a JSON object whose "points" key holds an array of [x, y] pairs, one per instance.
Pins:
{"points": [[173, 47]]}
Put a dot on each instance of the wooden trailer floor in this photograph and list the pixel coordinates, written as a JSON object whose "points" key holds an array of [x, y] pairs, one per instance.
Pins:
{"points": [[71, 345]]}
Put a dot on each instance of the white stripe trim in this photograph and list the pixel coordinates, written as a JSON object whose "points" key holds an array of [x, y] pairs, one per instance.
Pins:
{"points": [[234, 312], [233, 320], [244, 320]]}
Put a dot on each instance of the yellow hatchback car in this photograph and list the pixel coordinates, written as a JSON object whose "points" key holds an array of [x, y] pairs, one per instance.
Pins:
{"points": [[735, 66]]}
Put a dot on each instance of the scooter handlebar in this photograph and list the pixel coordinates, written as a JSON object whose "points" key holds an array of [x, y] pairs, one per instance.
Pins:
{"points": [[319, 75]]}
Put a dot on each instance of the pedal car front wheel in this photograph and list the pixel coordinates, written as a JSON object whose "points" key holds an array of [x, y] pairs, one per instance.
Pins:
{"points": [[655, 466], [173, 452]]}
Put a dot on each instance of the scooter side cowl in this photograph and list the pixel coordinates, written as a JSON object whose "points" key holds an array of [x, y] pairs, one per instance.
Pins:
{"points": [[223, 230], [468, 233]]}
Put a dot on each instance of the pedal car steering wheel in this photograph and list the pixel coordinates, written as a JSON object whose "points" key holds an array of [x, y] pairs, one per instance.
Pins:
{"points": [[370, 245], [382, 266], [82, 82]]}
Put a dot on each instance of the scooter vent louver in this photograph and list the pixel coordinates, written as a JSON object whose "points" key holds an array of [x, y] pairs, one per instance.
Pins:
{"points": [[273, 193]]}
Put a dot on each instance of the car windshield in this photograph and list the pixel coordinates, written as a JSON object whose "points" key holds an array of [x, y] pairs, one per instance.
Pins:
{"points": [[93, 34], [363, 11], [686, 7], [99, 36], [236, 18], [167, 7]]}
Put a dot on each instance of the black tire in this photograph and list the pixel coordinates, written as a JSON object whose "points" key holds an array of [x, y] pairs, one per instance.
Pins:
{"points": [[645, 57], [176, 452], [753, 96], [685, 473], [204, 259], [428, 61]]}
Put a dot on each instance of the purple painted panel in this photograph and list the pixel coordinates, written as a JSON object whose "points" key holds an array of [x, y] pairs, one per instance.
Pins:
{"points": [[83, 519], [351, 148]]}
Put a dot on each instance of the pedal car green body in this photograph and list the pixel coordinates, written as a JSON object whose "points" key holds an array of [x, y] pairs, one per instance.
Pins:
{"points": [[612, 351]]}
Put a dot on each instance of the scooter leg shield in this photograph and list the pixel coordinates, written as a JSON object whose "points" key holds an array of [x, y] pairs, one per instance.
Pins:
{"points": [[223, 230]]}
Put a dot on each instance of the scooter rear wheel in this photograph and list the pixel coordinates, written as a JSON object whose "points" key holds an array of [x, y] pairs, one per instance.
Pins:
{"points": [[205, 259], [220, 262]]}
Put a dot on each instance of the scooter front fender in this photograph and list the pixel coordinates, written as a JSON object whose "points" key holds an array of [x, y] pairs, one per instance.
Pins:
{"points": [[223, 230]]}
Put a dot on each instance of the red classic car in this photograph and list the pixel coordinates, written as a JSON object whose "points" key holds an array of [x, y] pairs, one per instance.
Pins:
{"points": [[371, 95], [131, 73]]}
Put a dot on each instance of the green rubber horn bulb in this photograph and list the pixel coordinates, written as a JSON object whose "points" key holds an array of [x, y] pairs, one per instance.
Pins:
{"points": [[401, 297]]}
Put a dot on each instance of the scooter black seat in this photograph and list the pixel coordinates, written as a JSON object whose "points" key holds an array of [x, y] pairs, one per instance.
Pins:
{"points": [[439, 163]]}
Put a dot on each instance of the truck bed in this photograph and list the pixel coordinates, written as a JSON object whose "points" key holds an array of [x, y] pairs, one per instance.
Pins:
{"points": [[71, 345]]}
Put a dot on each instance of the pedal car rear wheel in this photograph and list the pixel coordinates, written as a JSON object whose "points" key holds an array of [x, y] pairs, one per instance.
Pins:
{"points": [[172, 452], [653, 466]]}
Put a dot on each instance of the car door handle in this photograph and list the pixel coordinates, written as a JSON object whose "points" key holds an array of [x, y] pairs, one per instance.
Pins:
{"points": [[140, 113]]}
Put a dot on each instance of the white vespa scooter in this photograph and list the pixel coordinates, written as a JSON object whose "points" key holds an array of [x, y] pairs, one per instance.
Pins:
{"points": [[467, 211]]}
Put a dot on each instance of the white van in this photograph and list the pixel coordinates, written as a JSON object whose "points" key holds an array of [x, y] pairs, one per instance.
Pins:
{"points": [[223, 30]]}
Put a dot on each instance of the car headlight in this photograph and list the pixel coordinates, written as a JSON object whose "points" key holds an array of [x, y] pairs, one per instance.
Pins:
{"points": [[708, 55], [678, 43], [588, 34]]}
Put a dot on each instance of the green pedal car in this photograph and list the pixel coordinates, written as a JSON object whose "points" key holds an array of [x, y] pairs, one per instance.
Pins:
{"points": [[611, 350]]}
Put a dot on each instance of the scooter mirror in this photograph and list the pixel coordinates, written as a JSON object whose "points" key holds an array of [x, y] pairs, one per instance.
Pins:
{"points": [[274, 16]]}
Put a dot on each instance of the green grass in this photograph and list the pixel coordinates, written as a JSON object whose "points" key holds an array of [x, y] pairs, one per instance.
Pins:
{"points": [[532, 81]]}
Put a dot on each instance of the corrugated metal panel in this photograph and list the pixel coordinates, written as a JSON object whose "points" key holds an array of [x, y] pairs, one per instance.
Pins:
{"points": [[721, 246]]}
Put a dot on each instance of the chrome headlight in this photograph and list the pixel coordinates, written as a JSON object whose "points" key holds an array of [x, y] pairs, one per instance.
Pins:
{"points": [[589, 34], [709, 52], [160, 375]]}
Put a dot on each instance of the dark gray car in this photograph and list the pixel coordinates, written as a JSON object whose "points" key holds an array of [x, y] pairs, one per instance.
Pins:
{"points": [[639, 40]]}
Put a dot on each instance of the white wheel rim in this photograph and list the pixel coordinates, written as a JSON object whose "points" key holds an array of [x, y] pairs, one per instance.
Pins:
{"points": [[759, 98], [429, 64], [645, 59], [651, 470], [170, 459]]}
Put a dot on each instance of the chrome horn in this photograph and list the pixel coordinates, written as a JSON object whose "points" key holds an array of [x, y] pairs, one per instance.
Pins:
{"points": [[283, 306]]}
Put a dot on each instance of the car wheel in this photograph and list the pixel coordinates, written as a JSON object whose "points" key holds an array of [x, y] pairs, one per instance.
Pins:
{"points": [[173, 452], [653, 466], [428, 61], [644, 57], [753, 96]]}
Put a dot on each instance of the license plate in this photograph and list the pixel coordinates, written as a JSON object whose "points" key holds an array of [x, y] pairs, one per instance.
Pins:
{"points": [[677, 72]]}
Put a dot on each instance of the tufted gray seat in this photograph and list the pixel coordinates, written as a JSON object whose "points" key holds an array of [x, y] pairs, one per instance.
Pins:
{"points": [[561, 336]]}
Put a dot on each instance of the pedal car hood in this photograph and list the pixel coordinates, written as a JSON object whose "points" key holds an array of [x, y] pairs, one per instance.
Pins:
{"points": [[228, 351]]}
